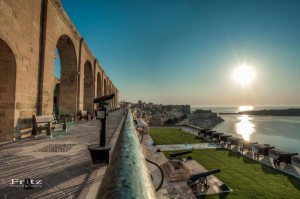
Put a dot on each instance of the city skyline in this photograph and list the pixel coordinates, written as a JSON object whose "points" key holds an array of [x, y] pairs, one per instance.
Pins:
{"points": [[184, 52]]}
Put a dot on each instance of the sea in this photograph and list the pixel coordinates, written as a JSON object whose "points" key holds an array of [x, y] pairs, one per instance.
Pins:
{"points": [[283, 132]]}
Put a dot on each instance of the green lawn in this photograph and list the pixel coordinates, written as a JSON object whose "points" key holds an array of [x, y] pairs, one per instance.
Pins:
{"points": [[172, 136], [247, 178]]}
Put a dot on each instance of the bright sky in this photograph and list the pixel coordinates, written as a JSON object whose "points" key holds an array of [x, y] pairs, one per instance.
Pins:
{"points": [[185, 52]]}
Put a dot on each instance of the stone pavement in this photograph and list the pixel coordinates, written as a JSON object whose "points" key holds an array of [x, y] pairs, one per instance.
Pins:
{"points": [[62, 163]]}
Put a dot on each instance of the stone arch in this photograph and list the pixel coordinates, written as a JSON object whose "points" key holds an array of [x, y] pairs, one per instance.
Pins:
{"points": [[104, 87], [109, 87], [88, 95], [110, 92], [117, 98], [68, 75], [8, 70], [113, 100], [99, 85]]}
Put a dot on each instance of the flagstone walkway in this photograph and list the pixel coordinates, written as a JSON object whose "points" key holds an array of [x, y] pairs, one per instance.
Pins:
{"points": [[61, 165]]}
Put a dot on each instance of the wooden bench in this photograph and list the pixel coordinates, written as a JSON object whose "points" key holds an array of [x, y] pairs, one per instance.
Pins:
{"points": [[83, 115], [45, 122]]}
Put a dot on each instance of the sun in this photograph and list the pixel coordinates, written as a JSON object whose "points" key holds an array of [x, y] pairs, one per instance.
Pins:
{"points": [[243, 75]]}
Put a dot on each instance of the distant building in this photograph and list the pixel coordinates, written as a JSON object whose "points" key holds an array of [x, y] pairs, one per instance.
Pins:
{"points": [[156, 120], [158, 114]]}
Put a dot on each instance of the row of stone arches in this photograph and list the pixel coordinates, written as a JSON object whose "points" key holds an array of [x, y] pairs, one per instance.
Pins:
{"points": [[69, 80], [65, 94], [27, 64]]}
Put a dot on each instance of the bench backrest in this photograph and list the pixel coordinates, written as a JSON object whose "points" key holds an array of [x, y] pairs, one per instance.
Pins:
{"points": [[44, 118]]}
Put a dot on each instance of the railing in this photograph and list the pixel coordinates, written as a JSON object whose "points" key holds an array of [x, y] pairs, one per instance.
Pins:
{"points": [[127, 175]]}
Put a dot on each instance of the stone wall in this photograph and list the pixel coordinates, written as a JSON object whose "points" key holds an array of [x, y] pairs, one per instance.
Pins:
{"points": [[19, 52]]}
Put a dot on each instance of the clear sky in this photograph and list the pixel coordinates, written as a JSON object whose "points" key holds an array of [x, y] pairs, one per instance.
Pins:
{"points": [[184, 52]]}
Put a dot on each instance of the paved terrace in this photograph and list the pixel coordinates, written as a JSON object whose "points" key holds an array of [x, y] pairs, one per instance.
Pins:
{"points": [[67, 174]]}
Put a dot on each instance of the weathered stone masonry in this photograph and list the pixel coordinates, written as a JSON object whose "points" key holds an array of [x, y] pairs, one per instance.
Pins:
{"points": [[30, 31]]}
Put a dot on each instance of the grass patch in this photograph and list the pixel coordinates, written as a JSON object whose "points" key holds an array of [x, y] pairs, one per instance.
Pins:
{"points": [[164, 136], [247, 178]]}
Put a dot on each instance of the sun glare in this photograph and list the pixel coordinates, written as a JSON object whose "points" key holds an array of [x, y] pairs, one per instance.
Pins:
{"points": [[243, 75], [245, 108]]}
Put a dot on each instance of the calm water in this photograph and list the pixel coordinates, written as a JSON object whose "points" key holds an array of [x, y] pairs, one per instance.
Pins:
{"points": [[281, 132]]}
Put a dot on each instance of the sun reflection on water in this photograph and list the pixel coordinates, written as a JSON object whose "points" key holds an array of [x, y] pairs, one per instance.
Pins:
{"points": [[245, 127]]}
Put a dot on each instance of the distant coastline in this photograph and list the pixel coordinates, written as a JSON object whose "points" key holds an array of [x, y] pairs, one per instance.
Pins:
{"points": [[227, 113], [270, 112]]}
